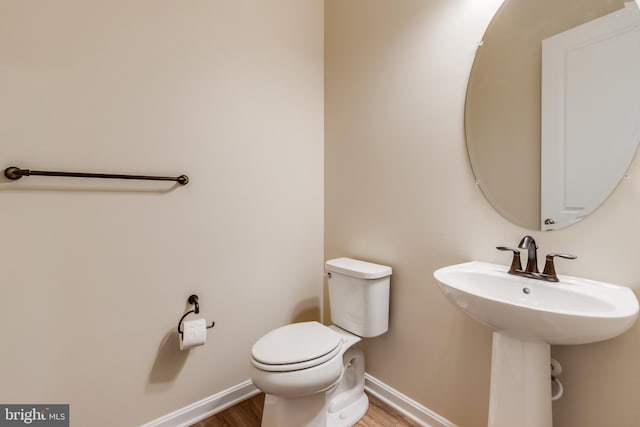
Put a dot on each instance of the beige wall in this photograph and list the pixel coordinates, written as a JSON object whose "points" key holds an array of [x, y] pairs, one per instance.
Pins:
{"points": [[95, 274], [399, 190]]}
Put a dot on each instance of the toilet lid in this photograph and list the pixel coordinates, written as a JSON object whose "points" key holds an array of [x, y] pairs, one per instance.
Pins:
{"points": [[295, 343]]}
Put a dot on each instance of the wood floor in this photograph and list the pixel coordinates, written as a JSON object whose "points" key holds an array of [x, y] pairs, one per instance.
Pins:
{"points": [[249, 413]]}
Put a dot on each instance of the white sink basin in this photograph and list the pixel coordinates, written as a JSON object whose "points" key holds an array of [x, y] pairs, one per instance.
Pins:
{"points": [[571, 311]]}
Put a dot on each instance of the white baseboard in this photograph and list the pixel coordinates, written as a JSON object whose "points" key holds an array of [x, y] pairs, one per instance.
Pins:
{"points": [[218, 402], [405, 405], [206, 407]]}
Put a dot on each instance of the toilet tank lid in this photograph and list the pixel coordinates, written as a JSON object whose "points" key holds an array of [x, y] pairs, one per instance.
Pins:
{"points": [[356, 268]]}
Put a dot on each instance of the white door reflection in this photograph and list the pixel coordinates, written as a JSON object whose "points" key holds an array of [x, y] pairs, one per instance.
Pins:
{"points": [[590, 114]]}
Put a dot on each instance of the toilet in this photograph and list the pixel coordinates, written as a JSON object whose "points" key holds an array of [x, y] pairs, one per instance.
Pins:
{"points": [[313, 375]]}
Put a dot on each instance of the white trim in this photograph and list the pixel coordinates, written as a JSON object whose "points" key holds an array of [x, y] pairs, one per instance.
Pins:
{"points": [[405, 405], [218, 402], [206, 407]]}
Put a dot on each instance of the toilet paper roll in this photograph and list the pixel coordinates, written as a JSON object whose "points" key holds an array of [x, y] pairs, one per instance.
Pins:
{"points": [[194, 333]]}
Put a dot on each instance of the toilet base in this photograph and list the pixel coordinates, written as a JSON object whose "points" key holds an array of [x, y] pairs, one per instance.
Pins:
{"points": [[349, 415], [305, 411], [311, 411]]}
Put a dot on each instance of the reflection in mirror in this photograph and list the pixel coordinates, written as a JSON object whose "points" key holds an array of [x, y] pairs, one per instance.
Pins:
{"points": [[585, 107]]}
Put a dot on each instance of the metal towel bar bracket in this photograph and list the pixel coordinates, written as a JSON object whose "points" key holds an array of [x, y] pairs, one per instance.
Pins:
{"points": [[14, 173]]}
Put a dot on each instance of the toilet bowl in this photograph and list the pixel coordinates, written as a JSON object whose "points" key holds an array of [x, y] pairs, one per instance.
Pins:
{"points": [[313, 375]]}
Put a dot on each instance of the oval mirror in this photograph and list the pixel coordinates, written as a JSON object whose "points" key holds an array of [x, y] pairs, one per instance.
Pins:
{"points": [[552, 116]]}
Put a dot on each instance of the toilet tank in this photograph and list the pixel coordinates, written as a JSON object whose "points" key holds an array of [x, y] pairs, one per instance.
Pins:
{"points": [[359, 296]]}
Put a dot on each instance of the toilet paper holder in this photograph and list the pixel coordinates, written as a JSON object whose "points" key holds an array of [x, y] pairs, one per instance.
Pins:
{"points": [[193, 300]]}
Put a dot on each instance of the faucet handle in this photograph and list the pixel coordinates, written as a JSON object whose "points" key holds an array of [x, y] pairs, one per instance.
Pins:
{"points": [[515, 262], [549, 268]]}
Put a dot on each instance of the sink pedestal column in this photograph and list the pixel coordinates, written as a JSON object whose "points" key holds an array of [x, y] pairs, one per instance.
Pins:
{"points": [[520, 383]]}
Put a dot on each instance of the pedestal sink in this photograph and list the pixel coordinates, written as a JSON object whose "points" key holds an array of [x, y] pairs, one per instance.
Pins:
{"points": [[527, 315]]}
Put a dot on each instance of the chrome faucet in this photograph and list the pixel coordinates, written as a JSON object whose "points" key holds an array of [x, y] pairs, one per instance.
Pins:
{"points": [[531, 270]]}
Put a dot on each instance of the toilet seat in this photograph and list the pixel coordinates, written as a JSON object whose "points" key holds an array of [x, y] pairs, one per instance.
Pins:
{"points": [[295, 346]]}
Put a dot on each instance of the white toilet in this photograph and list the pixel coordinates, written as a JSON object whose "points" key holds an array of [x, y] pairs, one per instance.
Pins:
{"points": [[313, 375]]}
